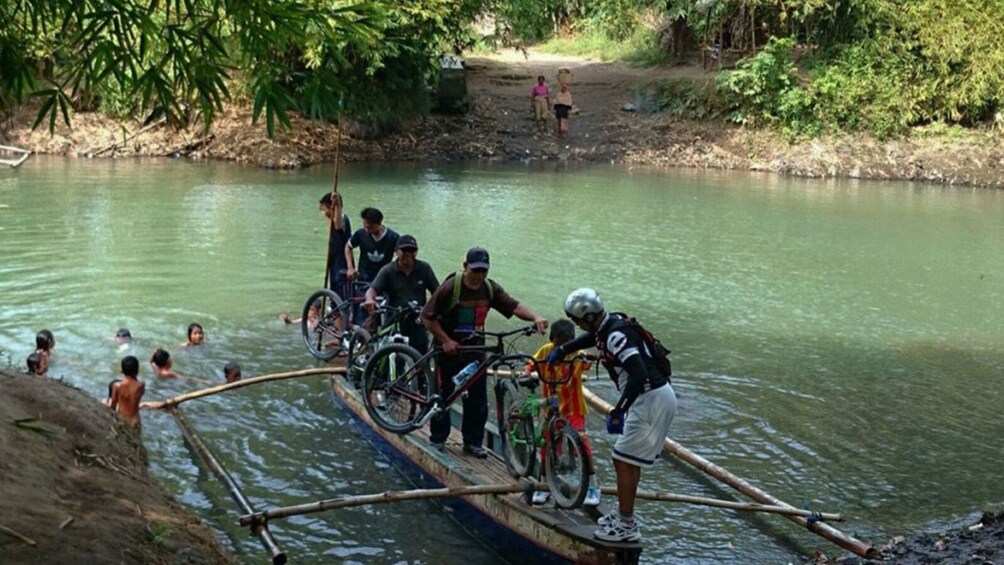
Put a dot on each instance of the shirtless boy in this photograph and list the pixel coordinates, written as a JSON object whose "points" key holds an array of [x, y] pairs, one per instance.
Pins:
{"points": [[127, 393], [160, 363]]}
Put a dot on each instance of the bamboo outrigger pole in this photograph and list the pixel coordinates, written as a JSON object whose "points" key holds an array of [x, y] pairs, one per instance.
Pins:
{"points": [[176, 400], [422, 494], [825, 530], [207, 457]]}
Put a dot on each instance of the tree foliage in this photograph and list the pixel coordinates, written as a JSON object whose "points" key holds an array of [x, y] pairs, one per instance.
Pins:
{"points": [[183, 58]]}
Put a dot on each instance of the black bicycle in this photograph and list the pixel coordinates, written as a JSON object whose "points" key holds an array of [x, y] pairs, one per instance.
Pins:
{"points": [[326, 319], [401, 386], [381, 328]]}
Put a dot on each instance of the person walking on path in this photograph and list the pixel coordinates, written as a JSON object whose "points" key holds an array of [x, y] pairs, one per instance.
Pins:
{"points": [[458, 308], [540, 101], [562, 109], [642, 415]]}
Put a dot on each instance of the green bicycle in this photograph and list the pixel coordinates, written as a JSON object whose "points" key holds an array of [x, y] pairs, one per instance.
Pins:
{"points": [[567, 463]]}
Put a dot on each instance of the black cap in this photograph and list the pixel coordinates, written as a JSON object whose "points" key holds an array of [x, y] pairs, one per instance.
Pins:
{"points": [[407, 242], [477, 258]]}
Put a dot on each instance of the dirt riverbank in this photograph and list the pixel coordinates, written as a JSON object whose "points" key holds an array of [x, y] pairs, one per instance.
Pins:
{"points": [[75, 483], [500, 128]]}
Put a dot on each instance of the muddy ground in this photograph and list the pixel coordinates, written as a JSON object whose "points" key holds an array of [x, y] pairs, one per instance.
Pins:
{"points": [[500, 128], [73, 480]]}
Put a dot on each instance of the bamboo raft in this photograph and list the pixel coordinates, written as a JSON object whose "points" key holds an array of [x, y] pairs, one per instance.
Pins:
{"points": [[14, 163], [480, 495]]}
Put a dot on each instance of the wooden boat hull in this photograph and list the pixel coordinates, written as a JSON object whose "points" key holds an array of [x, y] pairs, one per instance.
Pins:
{"points": [[518, 532]]}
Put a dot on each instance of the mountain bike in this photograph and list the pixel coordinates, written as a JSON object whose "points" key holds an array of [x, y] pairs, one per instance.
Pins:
{"points": [[326, 317], [382, 328], [401, 386], [566, 462]]}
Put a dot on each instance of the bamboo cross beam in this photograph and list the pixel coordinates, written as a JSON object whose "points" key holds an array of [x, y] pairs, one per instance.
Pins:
{"points": [[384, 498], [738, 506], [828, 532], [176, 400], [423, 494]]}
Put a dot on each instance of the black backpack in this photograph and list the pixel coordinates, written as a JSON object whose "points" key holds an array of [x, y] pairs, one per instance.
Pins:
{"points": [[658, 351]]}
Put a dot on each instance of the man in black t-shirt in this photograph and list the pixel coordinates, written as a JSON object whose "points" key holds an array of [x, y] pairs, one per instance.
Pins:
{"points": [[376, 244], [331, 207], [405, 280]]}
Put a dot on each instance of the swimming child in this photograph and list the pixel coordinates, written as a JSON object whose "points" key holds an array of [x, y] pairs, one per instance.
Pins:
{"points": [[45, 342], [312, 315], [38, 364], [232, 372], [161, 364], [126, 393], [571, 401], [196, 335], [123, 336]]}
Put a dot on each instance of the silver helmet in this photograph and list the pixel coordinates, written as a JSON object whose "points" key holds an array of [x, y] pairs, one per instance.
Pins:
{"points": [[584, 304]]}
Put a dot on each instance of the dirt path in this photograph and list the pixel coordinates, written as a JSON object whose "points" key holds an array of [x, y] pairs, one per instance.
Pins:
{"points": [[75, 482], [500, 128]]}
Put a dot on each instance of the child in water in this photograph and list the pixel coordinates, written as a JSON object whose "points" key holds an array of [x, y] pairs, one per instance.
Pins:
{"points": [[160, 363], [126, 393], [38, 364], [313, 313], [232, 372], [196, 335]]}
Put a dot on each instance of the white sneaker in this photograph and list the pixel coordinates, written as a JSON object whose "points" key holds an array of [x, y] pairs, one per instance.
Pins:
{"points": [[609, 519], [592, 497], [619, 532], [540, 497]]}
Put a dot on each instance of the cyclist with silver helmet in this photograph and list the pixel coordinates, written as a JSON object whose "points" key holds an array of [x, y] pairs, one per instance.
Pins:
{"points": [[644, 411]]}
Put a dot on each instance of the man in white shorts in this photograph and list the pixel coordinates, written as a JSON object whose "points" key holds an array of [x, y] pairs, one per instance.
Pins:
{"points": [[642, 415]]}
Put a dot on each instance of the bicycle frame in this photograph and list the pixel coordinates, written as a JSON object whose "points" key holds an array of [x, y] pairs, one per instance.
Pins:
{"points": [[496, 357]]}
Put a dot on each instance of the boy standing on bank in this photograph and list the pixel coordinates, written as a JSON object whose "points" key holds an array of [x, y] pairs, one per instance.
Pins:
{"points": [[127, 393]]}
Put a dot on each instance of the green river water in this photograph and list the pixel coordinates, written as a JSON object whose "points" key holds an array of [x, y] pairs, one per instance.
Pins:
{"points": [[837, 343]]}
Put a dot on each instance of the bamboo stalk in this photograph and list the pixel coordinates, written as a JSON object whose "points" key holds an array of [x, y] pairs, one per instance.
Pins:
{"points": [[18, 535], [384, 498], [424, 494], [176, 400], [207, 457], [828, 532], [731, 505]]}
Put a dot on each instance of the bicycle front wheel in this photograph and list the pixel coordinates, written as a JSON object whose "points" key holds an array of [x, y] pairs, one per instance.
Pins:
{"points": [[323, 324], [567, 464], [396, 388], [357, 354], [515, 430]]}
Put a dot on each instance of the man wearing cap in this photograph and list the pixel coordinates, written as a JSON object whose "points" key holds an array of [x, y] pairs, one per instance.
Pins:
{"points": [[456, 309], [404, 281], [338, 238]]}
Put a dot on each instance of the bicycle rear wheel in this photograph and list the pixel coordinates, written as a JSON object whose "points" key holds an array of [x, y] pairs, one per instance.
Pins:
{"points": [[396, 388], [324, 334], [567, 464], [515, 430]]}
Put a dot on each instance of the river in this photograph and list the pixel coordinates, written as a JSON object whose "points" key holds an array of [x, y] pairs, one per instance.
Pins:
{"points": [[838, 343]]}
